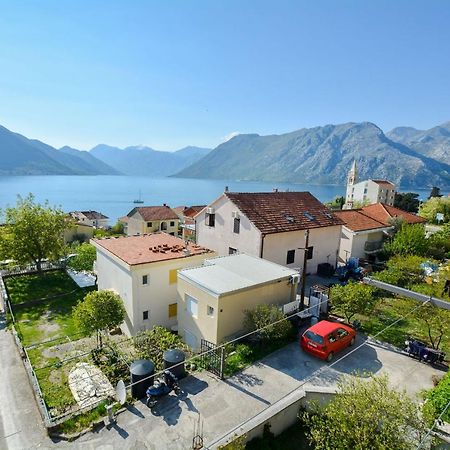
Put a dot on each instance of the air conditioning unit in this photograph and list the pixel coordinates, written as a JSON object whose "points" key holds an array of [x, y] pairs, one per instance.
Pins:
{"points": [[210, 210], [235, 214], [295, 279]]}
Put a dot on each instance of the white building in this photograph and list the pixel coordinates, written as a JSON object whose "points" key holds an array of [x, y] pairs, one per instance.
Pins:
{"points": [[271, 225], [143, 271], [213, 298], [365, 229], [367, 192], [90, 218]]}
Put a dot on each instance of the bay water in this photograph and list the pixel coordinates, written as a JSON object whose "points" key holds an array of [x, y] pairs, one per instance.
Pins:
{"points": [[114, 195]]}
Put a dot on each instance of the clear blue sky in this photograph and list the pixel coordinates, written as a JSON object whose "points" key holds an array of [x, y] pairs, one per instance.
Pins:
{"points": [[174, 73]]}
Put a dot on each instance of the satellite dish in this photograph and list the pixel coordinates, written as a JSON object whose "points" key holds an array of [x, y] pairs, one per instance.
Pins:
{"points": [[121, 392]]}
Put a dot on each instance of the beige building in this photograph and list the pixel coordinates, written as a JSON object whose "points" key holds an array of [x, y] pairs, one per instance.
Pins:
{"points": [[78, 232], [143, 271], [151, 219], [365, 229], [367, 192], [273, 226], [212, 298], [90, 218]]}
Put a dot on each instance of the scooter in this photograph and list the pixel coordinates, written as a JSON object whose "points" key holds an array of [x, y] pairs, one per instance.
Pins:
{"points": [[420, 350], [161, 388]]}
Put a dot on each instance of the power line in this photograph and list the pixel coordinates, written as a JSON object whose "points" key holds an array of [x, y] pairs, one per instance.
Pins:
{"points": [[313, 375], [422, 442]]}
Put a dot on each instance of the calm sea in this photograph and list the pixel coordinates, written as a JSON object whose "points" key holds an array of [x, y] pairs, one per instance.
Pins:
{"points": [[114, 195]]}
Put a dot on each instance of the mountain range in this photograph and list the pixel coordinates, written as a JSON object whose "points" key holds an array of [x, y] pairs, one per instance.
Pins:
{"points": [[320, 155], [323, 155]]}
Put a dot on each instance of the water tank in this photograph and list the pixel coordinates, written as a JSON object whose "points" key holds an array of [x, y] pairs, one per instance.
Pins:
{"points": [[175, 358], [142, 369]]}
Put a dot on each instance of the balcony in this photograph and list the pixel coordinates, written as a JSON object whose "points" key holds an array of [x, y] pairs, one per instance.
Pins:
{"points": [[373, 246]]}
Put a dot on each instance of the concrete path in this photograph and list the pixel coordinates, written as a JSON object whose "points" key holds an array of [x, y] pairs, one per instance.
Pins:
{"points": [[222, 405], [20, 421]]}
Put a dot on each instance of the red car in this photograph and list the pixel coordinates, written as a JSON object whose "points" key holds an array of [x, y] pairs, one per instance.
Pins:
{"points": [[325, 339]]}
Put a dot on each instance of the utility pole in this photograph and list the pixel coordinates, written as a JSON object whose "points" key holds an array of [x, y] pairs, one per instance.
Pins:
{"points": [[305, 259]]}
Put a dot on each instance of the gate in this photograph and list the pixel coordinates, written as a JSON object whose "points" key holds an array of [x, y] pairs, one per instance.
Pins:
{"points": [[213, 358]]}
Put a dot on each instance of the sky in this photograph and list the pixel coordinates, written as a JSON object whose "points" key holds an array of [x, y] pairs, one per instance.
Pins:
{"points": [[168, 74]]}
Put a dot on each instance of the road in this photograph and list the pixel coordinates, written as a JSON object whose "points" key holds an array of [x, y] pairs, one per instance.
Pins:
{"points": [[221, 404]]}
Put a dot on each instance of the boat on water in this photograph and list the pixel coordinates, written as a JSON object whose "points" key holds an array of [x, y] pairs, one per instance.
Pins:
{"points": [[139, 199]]}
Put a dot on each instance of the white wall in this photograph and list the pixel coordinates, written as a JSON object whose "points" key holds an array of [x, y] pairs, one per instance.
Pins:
{"points": [[352, 244], [221, 237], [155, 297], [324, 240]]}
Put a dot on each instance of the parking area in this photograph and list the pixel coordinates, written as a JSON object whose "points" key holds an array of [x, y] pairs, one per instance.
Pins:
{"points": [[222, 405]]}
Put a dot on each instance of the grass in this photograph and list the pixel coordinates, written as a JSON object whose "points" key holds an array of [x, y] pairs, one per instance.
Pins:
{"points": [[49, 319], [25, 288], [388, 311]]}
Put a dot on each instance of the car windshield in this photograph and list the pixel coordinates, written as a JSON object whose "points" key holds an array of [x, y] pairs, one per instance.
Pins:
{"points": [[314, 337]]}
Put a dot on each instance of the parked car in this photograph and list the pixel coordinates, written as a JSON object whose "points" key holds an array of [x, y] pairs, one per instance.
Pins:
{"points": [[325, 339]]}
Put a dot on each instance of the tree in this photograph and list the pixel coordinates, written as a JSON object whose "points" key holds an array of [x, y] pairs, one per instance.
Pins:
{"points": [[433, 206], [353, 298], [265, 315], [365, 415], [409, 240], [99, 311], [84, 259], [437, 399], [33, 232], [408, 201], [402, 271], [337, 203], [435, 192]]}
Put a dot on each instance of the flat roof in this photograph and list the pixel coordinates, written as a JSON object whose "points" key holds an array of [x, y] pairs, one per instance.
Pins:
{"points": [[148, 248], [227, 274]]}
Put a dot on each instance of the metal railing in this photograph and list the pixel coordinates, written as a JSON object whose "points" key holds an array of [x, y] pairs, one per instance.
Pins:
{"points": [[373, 246]]}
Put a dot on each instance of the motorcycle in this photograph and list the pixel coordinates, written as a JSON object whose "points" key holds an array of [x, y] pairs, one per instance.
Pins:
{"points": [[420, 350], [161, 388]]}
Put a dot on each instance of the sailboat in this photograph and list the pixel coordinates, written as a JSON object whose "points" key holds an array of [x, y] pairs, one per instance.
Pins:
{"points": [[138, 200]]}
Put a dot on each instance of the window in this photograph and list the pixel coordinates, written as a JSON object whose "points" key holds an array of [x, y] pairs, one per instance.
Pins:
{"points": [[172, 224], [173, 275], [192, 305], [163, 226], [172, 310], [236, 225], [149, 224], [309, 252], [145, 280], [210, 220], [210, 311], [365, 190], [290, 257], [232, 251], [145, 315]]}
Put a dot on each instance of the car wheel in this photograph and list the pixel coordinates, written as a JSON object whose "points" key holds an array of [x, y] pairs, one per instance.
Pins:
{"points": [[352, 342], [330, 356]]}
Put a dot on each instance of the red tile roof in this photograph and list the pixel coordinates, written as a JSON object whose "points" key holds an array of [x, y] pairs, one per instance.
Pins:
{"points": [[384, 183], [356, 220], [374, 216], [382, 213], [149, 213], [278, 212], [149, 248]]}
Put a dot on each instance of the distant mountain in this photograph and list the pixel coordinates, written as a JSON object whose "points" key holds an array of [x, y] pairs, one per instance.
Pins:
{"points": [[145, 161], [91, 163], [320, 155], [434, 143], [22, 156]]}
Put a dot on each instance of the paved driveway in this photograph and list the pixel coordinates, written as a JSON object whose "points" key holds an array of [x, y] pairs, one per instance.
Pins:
{"points": [[224, 404]]}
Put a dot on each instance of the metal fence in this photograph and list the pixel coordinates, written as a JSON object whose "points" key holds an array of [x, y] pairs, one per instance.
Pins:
{"points": [[31, 268]]}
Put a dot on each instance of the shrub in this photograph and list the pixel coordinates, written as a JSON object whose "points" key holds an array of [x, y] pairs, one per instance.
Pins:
{"points": [[437, 399]]}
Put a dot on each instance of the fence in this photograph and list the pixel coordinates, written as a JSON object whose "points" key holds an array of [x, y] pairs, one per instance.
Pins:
{"points": [[31, 268]]}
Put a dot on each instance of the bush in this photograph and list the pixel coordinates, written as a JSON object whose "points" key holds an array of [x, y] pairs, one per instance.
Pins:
{"points": [[409, 240], [402, 271], [437, 399], [151, 344], [84, 259], [263, 316]]}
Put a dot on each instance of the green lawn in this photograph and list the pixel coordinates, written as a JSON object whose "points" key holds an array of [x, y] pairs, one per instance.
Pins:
{"points": [[24, 288], [48, 320]]}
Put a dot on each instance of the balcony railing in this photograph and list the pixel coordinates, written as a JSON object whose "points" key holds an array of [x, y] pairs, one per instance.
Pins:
{"points": [[373, 246]]}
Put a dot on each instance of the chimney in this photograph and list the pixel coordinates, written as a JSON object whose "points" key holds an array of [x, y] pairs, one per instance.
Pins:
{"points": [[164, 204], [275, 190], [226, 188]]}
